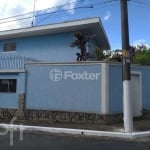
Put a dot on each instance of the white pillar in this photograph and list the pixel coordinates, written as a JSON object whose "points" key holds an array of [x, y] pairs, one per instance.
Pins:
{"points": [[127, 107], [105, 88]]}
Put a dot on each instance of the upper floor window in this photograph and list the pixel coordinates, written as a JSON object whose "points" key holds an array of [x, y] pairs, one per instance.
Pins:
{"points": [[9, 47], [8, 85]]}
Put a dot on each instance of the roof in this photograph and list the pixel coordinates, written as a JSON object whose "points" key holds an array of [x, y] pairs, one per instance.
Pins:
{"points": [[91, 25]]}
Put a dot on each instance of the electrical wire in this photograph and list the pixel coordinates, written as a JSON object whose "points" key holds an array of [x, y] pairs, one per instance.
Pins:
{"points": [[42, 14], [30, 13], [62, 11], [57, 16], [139, 4], [102, 4], [47, 9]]}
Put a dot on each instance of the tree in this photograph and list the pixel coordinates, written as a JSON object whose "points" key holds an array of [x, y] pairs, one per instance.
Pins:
{"points": [[81, 38], [142, 57]]}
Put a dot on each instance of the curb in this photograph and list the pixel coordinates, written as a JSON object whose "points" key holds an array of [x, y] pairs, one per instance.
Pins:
{"points": [[77, 131]]}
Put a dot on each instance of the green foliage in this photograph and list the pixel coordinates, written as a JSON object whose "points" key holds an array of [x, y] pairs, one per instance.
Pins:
{"points": [[142, 57], [99, 54], [81, 39]]}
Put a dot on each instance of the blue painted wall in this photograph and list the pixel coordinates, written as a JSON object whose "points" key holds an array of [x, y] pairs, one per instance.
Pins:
{"points": [[66, 94], [70, 95], [10, 100], [115, 89], [53, 48]]}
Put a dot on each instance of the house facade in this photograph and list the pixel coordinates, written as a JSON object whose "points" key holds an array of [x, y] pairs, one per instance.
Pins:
{"points": [[52, 42], [39, 75]]}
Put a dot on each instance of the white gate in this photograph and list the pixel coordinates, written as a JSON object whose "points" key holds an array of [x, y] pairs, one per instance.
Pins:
{"points": [[136, 93]]}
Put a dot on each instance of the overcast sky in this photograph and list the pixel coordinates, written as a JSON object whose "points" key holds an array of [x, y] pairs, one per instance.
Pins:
{"points": [[109, 12]]}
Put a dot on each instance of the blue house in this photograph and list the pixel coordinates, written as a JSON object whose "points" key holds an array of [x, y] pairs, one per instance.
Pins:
{"points": [[51, 42], [39, 74]]}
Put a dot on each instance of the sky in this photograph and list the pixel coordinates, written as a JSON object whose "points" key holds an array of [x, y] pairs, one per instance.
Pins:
{"points": [[54, 11]]}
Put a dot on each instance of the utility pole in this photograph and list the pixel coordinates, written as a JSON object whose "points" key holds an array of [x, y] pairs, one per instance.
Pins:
{"points": [[127, 103]]}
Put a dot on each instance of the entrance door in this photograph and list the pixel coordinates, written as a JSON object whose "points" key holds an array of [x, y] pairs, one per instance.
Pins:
{"points": [[136, 94]]}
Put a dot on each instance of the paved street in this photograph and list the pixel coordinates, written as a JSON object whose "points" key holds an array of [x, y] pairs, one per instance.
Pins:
{"points": [[67, 142]]}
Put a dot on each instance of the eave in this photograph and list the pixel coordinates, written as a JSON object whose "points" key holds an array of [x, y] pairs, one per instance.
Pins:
{"points": [[91, 25]]}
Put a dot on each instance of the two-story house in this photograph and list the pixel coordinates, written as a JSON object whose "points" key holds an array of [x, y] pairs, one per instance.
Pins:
{"points": [[38, 71]]}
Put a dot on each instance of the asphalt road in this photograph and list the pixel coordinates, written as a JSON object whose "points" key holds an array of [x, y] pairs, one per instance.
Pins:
{"points": [[38, 141]]}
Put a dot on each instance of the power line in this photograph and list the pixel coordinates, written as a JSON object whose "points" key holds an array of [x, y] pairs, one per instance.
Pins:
{"points": [[139, 4], [30, 14], [47, 9], [62, 11], [28, 17], [56, 16], [109, 3], [103, 4], [42, 14]]}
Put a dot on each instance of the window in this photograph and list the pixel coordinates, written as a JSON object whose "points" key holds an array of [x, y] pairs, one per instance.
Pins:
{"points": [[8, 85], [9, 47]]}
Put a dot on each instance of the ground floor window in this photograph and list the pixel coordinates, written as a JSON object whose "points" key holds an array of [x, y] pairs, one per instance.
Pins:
{"points": [[8, 85]]}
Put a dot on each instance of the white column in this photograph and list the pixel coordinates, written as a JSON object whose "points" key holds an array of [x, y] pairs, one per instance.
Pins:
{"points": [[127, 107], [105, 88]]}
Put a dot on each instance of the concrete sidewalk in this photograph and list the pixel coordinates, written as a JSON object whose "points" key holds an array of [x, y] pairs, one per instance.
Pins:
{"points": [[141, 128], [10, 127], [140, 124]]}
